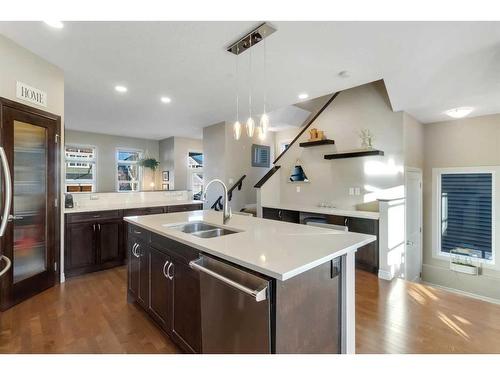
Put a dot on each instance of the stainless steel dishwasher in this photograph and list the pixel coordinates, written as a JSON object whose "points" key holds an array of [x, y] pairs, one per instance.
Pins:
{"points": [[235, 308]]}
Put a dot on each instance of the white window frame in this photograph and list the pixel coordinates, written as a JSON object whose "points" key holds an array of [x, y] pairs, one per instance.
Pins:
{"points": [[436, 211], [191, 171], [69, 160], [139, 169]]}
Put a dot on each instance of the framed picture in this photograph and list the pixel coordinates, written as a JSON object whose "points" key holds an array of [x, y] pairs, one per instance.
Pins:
{"points": [[165, 175], [165, 186]]}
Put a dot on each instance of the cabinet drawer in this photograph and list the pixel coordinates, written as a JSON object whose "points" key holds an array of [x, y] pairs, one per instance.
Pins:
{"points": [[184, 207], [182, 252], [137, 232], [143, 211], [93, 216]]}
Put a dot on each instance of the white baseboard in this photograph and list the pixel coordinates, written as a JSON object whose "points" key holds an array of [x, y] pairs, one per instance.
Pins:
{"points": [[385, 275], [463, 293]]}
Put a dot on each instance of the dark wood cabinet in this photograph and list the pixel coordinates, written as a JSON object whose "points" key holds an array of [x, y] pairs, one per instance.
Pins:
{"points": [[160, 302], [92, 243], [78, 253], [96, 240], [366, 256], [109, 241], [174, 289], [186, 324], [281, 215], [142, 252]]}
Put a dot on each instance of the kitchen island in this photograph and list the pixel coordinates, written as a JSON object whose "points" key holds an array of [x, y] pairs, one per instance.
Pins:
{"points": [[250, 286]]}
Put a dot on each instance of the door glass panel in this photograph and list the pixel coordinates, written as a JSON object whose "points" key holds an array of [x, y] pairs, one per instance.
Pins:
{"points": [[30, 200]]}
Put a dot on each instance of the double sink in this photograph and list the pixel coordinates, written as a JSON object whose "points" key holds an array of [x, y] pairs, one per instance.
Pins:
{"points": [[202, 229]]}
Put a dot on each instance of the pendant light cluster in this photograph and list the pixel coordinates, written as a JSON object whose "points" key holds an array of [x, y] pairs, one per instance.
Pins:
{"points": [[240, 46]]}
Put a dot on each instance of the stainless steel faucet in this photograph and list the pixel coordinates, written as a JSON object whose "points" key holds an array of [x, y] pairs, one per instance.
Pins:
{"points": [[227, 209]]}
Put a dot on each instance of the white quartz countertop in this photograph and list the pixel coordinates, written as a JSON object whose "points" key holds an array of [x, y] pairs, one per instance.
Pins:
{"points": [[326, 210], [277, 249], [103, 205]]}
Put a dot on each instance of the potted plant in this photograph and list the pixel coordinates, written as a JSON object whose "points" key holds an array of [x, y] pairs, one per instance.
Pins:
{"points": [[152, 164]]}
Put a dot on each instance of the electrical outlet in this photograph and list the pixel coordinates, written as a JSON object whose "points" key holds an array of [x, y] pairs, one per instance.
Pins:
{"points": [[351, 191], [298, 189], [357, 191]]}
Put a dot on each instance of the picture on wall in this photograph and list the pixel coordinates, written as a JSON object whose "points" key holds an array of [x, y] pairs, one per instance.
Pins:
{"points": [[165, 186], [165, 175]]}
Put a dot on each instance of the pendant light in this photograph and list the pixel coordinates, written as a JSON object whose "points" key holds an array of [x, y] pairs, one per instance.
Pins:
{"points": [[264, 119], [250, 125], [237, 124]]}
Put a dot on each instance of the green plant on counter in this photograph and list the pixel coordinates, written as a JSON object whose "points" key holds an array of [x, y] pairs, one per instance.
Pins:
{"points": [[150, 163]]}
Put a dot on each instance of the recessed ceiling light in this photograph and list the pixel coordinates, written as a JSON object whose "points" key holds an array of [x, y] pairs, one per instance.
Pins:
{"points": [[121, 89], [165, 99], [459, 112], [55, 24], [303, 96]]}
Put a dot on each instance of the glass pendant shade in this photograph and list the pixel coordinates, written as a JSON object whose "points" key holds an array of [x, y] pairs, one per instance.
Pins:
{"points": [[261, 133], [250, 127], [237, 130], [264, 123]]}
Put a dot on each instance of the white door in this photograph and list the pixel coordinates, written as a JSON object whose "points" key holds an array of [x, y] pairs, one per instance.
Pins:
{"points": [[413, 249]]}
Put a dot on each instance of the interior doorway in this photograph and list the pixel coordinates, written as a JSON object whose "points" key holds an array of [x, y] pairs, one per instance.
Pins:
{"points": [[413, 219]]}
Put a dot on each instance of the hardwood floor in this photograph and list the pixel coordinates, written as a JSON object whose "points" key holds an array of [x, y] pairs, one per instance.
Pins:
{"points": [[403, 317], [90, 314]]}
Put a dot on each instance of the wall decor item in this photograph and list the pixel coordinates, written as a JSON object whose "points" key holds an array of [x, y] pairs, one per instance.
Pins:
{"points": [[165, 186], [297, 173], [165, 175], [316, 135], [367, 138], [261, 156]]}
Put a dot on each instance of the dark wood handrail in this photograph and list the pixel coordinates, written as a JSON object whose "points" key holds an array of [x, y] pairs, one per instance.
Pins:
{"points": [[329, 101], [267, 176], [238, 184]]}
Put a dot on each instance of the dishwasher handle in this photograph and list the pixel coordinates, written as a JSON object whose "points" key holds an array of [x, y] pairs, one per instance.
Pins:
{"points": [[259, 295]]}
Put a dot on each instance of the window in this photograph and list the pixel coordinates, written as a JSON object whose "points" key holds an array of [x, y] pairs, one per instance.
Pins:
{"points": [[465, 212], [261, 156], [195, 172], [80, 168], [128, 170]]}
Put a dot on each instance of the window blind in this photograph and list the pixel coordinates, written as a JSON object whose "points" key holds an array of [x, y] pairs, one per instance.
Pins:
{"points": [[466, 212]]}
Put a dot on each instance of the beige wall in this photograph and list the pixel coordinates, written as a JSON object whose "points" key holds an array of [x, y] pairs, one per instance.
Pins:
{"points": [[228, 159], [106, 156], [468, 142], [361, 107], [413, 135], [173, 157]]}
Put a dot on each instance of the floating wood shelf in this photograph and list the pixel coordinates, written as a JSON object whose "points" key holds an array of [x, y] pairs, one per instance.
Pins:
{"points": [[320, 142], [354, 154]]}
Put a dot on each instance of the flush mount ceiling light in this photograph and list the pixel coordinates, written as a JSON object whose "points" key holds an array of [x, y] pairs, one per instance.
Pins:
{"points": [[54, 24], [165, 99], [303, 96], [459, 112], [121, 89], [241, 45]]}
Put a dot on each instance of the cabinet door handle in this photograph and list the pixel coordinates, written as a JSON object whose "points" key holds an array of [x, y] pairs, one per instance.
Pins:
{"points": [[170, 276], [93, 226], [99, 227], [137, 232], [133, 250], [165, 272], [137, 253], [346, 221], [280, 214]]}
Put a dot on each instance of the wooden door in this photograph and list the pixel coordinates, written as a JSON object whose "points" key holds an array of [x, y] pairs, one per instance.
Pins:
{"points": [[186, 308], [109, 241], [30, 139], [133, 268], [80, 249], [160, 302]]}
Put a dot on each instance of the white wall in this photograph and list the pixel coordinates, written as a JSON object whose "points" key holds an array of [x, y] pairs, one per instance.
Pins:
{"points": [[468, 142], [413, 142], [106, 157], [361, 107], [214, 155], [173, 157]]}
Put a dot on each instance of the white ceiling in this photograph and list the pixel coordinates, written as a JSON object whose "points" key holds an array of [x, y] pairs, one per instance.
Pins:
{"points": [[428, 67]]}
